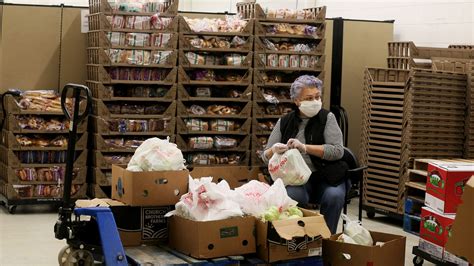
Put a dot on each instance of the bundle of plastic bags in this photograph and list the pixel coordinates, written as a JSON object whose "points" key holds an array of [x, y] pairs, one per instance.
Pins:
{"points": [[156, 154], [354, 233], [268, 203], [207, 201], [289, 167]]}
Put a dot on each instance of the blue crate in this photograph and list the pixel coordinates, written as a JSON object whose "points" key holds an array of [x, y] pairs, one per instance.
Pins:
{"points": [[411, 224], [413, 206]]}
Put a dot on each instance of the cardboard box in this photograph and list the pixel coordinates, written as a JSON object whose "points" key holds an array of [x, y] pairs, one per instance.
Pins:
{"points": [[445, 185], [291, 239], [462, 234], [392, 252], [162, 188], [136, 225], [236, 176], [213, 239], [435, 226]]}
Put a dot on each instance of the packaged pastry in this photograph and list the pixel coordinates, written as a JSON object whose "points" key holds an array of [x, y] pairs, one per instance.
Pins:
{"points": [[161, 57], [26, 174], [200, 143], [232, 159], [160, 39], [237, 42], [234, 94], [294, 61], [234, 59], [222, 125], [137, 39], [272, 60], [284, 60], [160, 23], [222, 110], [60, 141], [196, 110], [304, 61], [197, 125], [313, 61], [225, 143], [203, 92], [24, 191]]}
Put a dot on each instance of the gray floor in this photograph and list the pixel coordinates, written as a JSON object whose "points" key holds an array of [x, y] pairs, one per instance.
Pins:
{"points": [[27, 237]]}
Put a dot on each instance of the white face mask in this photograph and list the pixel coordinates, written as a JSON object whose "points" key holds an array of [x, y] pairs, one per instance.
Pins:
{"points": [[310, 108]]}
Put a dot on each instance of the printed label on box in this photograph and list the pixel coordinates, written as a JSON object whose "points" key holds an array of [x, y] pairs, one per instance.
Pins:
{"points": [[154, 223], [315, 252], [229, 232], [434, 203], [431, 248]]}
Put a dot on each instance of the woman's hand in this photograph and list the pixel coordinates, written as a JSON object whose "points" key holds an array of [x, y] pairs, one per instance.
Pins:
{"points": [[296, 144], [279, 148]]}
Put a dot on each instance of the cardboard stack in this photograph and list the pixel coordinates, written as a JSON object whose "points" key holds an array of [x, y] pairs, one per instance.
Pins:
{"points": [[278, 62], [445, 184], [469, 144], [131, 72], [434, 117], [381, 139], [214, 95], [33, 147]]}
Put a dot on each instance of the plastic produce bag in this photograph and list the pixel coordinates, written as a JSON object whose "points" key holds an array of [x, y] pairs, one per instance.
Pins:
{"points": [[290, 167], [207, 201], [356, 232], [155, 154], [268, 203]]}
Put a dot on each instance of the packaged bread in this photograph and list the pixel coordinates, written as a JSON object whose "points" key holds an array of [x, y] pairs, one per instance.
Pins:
{"points": [[26, 174], [203, 92], [284, 60], [272, 60], [117, 38], [195, 59], [161, 57], [222, 110], [234, 59], [24, 191], [137, 39], [294, 61], [225, 142], [304, 61], [222, 125], [160, 40], [201, 142], [202, 159], [197, 125]]}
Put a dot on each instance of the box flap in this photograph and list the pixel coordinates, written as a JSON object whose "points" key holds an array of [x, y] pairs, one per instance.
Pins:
{"points": [[262, 232], [311, 226], [98, 203], [460, 243]]}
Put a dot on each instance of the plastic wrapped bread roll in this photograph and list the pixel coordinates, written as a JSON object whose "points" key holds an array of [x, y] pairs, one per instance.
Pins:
{"points": [[200, 143], [225, 143]]}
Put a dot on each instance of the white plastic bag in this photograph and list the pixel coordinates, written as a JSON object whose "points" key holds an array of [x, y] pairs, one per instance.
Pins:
{"points": [[346, 239], [155, 154], [290, 167], [250, 197], [207, 201], [359, 234]]}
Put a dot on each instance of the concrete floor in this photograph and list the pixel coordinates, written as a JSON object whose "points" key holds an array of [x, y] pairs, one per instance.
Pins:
{"points": [[27, 238]]}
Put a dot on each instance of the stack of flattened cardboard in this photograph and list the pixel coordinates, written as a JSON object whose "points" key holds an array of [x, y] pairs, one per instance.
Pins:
{"points": [[469, 144], [381, 138], [434, 116]]}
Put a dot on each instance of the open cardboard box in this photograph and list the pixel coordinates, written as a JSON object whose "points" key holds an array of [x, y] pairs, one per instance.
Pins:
{"points": [[292, 238], [155, 188], [213, 239], [392, 252], [460, 242], [136, 225]]}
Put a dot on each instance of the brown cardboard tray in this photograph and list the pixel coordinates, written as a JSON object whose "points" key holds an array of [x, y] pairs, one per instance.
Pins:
{"points": [[184, 78], [99, 161], [103, 6], [12, 107], [185, 45], [243, 130], [101, 178], [244, 160], [101, 126], [256, 128], [100, 109], [186, 29], [96, 191], [382, 184], [8, 157], [99, 21], [9, 140], [100, 74], [184, 94], [243, 145], [256, 11], [100, 91], [101, 145], [9, 175], [98, 38], [400, 62], [387, 76], [244, 112], [11, 124], [260, 31], [98, 56], [185, 63], [401, 49], [379, 205]]}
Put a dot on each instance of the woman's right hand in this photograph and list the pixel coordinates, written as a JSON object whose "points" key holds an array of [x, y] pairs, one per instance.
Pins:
{"points": [[279, 148]]}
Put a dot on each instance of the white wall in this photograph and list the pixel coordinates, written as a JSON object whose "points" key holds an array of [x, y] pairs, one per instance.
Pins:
{"points": [[435, 23]]}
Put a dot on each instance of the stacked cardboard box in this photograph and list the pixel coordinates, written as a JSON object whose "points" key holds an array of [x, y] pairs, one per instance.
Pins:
{"points": [[132, 74], [381, 138], [214, 94], [469, 144], [444, 188], [282, 53], [434, 117], [33, 149]]}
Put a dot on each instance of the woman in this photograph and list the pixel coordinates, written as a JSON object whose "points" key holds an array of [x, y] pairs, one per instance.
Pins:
{"points": [[315, 133]]}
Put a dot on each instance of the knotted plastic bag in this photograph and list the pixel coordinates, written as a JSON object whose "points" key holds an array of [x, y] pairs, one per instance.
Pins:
{"points": [[207, 201], [356, 232], [290, 167], [156, 154]]}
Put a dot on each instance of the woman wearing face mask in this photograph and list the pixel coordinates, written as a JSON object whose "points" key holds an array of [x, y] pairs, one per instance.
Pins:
{"points": [[315, 133]]}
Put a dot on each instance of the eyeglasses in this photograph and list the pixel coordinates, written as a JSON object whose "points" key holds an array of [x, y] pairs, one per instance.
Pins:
{"points": [[311, 98]]}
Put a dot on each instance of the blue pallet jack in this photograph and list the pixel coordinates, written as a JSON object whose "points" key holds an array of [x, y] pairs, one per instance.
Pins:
{"points": [[93, 239]]}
